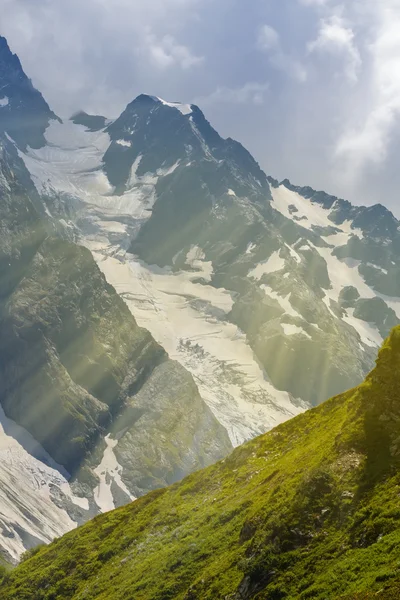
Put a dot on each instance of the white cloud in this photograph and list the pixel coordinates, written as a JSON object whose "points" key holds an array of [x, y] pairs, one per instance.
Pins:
{"points": [[268, 38], [250, 93], [314, 2], [336, 38], [167, 52], [99, 54], [269, 41], [367, 140]]}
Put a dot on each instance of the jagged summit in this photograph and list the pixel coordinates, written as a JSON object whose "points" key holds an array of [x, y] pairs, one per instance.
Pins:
{"points": [[167, 134], [24, 114]]}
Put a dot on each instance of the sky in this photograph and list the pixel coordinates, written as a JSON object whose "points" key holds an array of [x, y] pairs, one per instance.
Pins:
{"points": [[310, 87]]}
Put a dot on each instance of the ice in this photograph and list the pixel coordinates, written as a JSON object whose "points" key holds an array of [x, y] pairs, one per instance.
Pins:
{"points": [[71, 163], [189, 320]]}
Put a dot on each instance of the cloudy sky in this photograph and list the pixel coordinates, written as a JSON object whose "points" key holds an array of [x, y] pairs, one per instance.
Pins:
{"points": [[310, 87]]}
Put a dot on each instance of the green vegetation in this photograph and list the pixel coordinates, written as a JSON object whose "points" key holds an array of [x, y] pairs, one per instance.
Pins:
{"points": [[311, 510]]}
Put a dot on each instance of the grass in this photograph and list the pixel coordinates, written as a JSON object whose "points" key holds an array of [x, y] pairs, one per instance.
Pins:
{"points": [[310, 510]]}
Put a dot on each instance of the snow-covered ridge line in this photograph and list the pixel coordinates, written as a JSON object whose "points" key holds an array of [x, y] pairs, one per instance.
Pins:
{"points": [[185, 109]]}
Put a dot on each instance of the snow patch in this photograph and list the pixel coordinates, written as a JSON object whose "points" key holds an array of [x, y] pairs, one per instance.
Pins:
{"points": [[72, 164], [274, 263], [185, 109], [109, 470], [284, 301], [195, 259], [125, 143], [378, 268], [367, 331], [290, 329], [293, 253]]}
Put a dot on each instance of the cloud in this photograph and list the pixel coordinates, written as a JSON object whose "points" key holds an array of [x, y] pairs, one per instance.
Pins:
{"points": [[368, 140], [167, 52], [268, 38], [314, 2], [335, 37], [249, 93], [77, 51], [242, 63], [269, 42]]}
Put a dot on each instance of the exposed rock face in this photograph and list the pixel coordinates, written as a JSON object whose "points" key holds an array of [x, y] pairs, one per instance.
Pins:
{"points": [[24, 114], [70, 353], [188, 436]]}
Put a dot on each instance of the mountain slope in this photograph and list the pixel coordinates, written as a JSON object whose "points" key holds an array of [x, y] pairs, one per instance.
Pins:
{"points": [[93, 411], [309, 510]]}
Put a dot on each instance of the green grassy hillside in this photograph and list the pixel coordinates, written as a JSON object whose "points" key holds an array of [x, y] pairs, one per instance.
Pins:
{"points": [[309, 510]]}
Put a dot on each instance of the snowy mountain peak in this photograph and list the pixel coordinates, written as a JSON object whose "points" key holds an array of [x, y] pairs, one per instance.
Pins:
{"points": [[166, 133], [185, 109]]}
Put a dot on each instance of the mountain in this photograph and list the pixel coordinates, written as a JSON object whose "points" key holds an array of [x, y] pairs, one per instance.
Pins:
{"points": [[308, 510], [93, 411], [222, 304], [76, 175], [274, 297]]}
